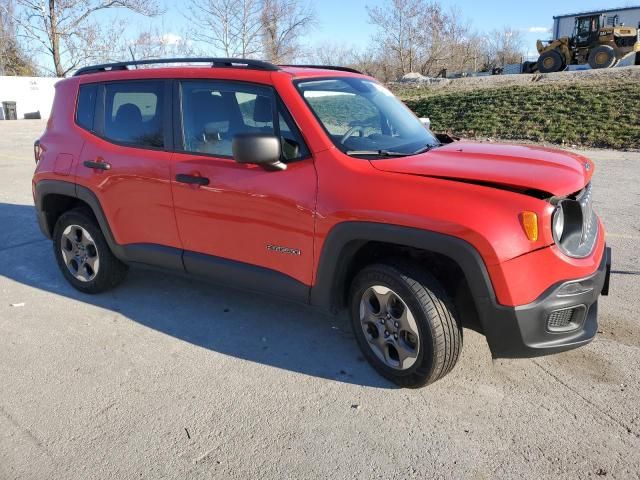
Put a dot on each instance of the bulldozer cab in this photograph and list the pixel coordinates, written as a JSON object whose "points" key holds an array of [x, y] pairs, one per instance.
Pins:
{"points": [[586, 30]]}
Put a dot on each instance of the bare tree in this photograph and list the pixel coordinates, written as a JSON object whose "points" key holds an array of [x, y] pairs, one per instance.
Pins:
{"points": [[402, 26], [330, 53], [65, 32], [153, 43], [503, 46], [232, 27], [421, 36], [283, 23], [13, 59], [449, 43]]}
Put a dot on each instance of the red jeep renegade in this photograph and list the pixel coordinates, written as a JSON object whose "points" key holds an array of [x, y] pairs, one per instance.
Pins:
{"points": [[318, 185]]}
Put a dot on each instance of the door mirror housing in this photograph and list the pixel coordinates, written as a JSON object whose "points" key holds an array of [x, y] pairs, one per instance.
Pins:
{"points": [[259, 149]]}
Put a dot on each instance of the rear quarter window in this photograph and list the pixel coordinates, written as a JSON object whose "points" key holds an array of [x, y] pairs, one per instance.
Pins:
{"points": [[85, 107]]}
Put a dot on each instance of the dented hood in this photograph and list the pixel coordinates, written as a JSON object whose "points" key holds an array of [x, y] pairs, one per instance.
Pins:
{"points": [[519, 167]]}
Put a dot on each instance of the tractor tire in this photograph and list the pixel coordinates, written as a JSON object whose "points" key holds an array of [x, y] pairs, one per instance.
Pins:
{"points": [[529, 67], [603, 56], [550, 61]]}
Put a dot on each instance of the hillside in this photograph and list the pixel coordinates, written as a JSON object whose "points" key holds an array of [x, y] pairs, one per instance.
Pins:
{"points": [[588, 108]]}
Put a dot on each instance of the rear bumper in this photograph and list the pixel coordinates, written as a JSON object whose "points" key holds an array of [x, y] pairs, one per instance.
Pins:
{"points": [[524, 331]]}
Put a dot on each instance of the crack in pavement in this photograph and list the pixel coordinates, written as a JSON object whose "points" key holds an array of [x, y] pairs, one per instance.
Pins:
{"points": [[594, 405], [24, 244], [29, 434]]}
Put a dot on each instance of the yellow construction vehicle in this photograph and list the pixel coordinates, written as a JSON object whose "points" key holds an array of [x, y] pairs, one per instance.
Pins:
{"points": [[596, 39]]}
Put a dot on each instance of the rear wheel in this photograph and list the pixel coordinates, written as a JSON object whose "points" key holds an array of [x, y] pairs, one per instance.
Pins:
{"points": [[603, 56], [550, 61], [83, 255], [404, 323]]}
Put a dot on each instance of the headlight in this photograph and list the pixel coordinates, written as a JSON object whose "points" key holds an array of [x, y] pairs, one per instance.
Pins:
{"points": [[558, 223]]}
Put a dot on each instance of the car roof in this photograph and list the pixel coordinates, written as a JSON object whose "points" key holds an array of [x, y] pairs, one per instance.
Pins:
{"points": [[205, 67]]}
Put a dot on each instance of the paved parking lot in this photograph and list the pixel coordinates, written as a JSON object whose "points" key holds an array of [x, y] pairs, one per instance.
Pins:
{"points": [[166, 377]]}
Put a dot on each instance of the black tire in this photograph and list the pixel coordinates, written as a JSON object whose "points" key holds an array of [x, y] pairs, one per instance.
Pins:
{"points": [[111, 271], [440, 333], [550, 61], [602, 56], [529, 67]]}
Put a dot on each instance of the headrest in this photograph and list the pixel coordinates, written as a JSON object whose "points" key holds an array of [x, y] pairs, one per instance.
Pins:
{"points": [[128, 113], [263, 110], [208, 108]]}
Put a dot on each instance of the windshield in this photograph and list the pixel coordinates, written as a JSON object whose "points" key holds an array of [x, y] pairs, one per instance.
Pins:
{"points": [[364, 118]]}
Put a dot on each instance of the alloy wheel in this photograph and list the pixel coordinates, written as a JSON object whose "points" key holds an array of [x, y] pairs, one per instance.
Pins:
{"points": [[389, 327], [80, 253]]}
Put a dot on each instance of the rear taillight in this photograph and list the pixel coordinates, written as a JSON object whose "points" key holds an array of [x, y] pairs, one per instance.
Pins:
{"points": [[37, 150]]}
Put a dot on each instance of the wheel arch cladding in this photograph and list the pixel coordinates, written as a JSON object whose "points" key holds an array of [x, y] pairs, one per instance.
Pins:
{"points": [[346, 239], [54, 197]]}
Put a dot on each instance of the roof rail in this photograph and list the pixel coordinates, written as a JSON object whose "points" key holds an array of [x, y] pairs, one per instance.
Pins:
{"points": [[215, 62], [326, 67]]}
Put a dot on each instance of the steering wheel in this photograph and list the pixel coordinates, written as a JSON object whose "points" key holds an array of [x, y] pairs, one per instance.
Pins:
{"points": [[354, 129]]}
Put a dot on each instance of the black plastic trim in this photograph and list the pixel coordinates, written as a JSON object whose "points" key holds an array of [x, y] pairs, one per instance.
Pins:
{"points": [[50, 187], [215, 63], [326, 67], [526, 333], [153, 254], [346, 238], [245, 276]]}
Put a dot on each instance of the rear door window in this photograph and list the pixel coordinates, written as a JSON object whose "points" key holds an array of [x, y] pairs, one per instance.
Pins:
{"points": [[134, 113]]}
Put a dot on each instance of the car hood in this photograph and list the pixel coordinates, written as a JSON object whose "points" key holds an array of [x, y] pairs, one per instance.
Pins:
{"points": [[518, 167]]}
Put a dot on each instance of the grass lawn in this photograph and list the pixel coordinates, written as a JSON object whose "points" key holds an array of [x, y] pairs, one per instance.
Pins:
{"points": [[603, 114]]}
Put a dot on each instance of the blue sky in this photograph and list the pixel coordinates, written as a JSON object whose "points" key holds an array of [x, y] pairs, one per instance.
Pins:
{"points": [[345, 21]]}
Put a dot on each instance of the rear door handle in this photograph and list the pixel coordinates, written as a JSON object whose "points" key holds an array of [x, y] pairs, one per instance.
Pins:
{"points": [[97, 165], [192, 179]]}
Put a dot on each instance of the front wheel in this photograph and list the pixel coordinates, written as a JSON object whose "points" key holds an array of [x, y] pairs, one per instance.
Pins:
{"points": [[83, 255], [404, 323], [550, 61]]}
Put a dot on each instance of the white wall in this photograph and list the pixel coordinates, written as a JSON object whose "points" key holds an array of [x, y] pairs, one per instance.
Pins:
{"points": [[31, 94]]}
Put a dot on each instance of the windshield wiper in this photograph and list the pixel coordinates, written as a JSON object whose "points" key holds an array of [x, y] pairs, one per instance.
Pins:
{"points": [[424, 149], [378, 153]]}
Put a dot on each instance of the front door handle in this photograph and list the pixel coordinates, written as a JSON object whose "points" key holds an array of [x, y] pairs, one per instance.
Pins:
{"points": [[192, 179], [97, 165]]}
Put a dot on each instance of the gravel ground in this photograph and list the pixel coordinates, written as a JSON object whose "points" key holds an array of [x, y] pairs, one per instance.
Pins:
{"points": [[166, 377], [602, 76]]}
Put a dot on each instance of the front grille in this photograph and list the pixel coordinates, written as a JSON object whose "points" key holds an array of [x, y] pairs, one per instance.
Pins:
{"points": [[566, 319]]}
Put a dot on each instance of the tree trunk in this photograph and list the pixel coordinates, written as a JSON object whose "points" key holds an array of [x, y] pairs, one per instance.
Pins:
{"points": [[54, 37]]}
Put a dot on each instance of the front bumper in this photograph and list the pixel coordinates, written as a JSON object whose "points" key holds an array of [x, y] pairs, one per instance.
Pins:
{"points": [[527, 331]]}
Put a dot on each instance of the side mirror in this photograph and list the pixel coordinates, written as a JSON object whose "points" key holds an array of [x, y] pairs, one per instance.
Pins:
{"points": [[426, 122], [259, 149]]}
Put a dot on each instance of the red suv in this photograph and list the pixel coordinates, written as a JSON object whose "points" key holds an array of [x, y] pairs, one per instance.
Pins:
{"points": [[318, 185]]}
